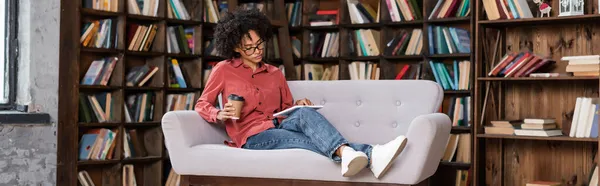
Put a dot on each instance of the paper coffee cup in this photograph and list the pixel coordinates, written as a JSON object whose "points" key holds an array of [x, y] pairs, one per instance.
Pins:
{"points": [[237, 102]]}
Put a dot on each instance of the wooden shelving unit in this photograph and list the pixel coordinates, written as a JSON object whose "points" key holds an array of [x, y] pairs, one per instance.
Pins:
{"points": [[517, 160], [154, 167]]}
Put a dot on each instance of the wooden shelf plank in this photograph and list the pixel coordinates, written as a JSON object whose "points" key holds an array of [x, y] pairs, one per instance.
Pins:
{"points": [[187, 56], [183, 22], [97, 162], [323, 60], [404, 23], [404, 57], [213, 58], [136, 17], [100, 50], [98, 87], [143, 53], [183, 89], [143, 124], [142, 88], [444, 56], [363, 26], [457, 92], [590, 18], [457, 165], [451, 20], [98, 13], [555, 138], [142, 159], [362, 58], [461, 128], [323, 28], [535, 78], [108, 124], [209, 25]]}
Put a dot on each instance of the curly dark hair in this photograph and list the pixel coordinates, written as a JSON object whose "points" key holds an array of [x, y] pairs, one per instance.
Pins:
{"points": [[232, 27]]}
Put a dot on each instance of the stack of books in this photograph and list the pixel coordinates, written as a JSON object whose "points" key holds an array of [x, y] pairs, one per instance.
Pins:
{"points": [[503, 127], [520, 65], [538, 127], [583, 65]]}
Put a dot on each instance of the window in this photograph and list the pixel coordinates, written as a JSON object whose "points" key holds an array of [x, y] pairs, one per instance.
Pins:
{"points": [[8, 28]]}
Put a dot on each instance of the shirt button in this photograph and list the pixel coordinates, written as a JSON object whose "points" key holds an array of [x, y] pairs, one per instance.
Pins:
{"points": [[259, 103]]}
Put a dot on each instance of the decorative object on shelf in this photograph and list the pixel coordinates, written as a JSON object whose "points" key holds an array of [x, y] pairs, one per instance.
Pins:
{"points": [[571, 7], [545, 8]]}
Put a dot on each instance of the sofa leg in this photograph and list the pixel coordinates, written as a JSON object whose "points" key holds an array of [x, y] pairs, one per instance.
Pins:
{"points": [[184, 181]]}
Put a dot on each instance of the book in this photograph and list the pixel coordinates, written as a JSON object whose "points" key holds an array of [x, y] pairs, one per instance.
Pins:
{"points": [[292, 109]]}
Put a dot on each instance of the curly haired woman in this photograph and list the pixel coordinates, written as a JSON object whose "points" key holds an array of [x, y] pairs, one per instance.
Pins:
{"points": [[241, 37]]}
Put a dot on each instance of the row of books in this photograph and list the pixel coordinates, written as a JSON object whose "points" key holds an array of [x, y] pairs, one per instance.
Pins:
{"points": [[409, 71], [177, 77], [364, 42], [99, 34], [133, 145], [545, 127], [251, 6], [451, 8], [100, 71], [209, 47], [296, 46], [458, 110], [324, 44], [129, 175], [143, 7], [176, 9], [185, 101], [320, 72], [404, 10], [585, 118], [364, 70], [293, 11], [405, 43], [448, 40], [273, 48], [104, 5], [454, 78], [139, 107], [463, 178], [141, 37], [139, 75], [180, 39], [363, 11], [509, 9], [214, 10], [458, 148], [520, 65], [588, 65], [96, 107], [98, 144]]}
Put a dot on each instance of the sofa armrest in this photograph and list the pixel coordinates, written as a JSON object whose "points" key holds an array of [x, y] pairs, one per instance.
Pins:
{"points": [[427, 137], [184, 129]]}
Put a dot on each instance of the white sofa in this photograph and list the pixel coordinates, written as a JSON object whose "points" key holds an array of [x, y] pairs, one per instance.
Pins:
{"points": [[363, 111]]}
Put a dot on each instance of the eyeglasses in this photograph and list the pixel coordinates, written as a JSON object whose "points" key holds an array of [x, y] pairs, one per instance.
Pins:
{"points": [[251, 50]]}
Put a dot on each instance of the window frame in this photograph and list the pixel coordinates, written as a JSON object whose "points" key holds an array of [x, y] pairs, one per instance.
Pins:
{"points": [[11, 50]]}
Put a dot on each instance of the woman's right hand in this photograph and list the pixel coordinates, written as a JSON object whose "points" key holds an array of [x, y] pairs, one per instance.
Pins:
{"points": [[226, 113]]}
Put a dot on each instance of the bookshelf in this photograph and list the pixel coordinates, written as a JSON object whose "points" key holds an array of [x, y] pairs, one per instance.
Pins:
{"points": [[135, 68], [153, 168], [514, 159]]}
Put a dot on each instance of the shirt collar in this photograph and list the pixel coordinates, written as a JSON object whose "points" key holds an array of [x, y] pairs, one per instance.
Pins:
{"points": [[237, 62]]}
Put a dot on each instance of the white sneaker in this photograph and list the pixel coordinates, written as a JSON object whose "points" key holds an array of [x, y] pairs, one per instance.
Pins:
{"points": [[382, 156], [353, 161]]}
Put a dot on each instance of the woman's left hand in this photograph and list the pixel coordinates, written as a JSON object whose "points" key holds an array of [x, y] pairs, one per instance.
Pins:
{"points": [[303, 102]]}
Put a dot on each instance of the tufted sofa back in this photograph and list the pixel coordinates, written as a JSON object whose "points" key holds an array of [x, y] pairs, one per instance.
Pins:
{"points": [[371, 112]]}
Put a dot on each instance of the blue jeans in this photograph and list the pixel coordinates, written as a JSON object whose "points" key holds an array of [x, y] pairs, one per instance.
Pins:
{"points": [[307, 129]]}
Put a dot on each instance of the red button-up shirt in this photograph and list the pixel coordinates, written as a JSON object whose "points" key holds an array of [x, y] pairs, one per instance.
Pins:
{"points": [[265, 92]]}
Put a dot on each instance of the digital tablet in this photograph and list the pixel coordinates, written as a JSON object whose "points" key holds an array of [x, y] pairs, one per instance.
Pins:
{"points": [[291, 109]]}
